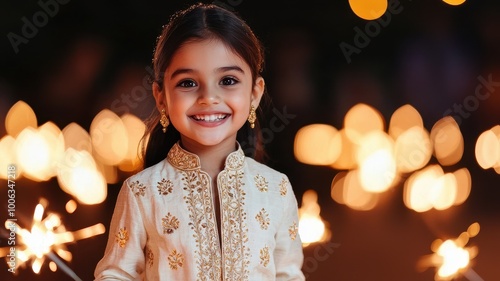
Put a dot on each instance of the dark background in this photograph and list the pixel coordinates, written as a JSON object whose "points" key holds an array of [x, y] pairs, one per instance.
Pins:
{"points": [[90, 54]]}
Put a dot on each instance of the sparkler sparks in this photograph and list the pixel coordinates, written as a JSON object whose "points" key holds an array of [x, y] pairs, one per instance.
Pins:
{"points": [[451, 258], [48, 237], [83, 164]]}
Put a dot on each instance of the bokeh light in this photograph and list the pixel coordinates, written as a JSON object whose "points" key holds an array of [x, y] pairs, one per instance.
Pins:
{"points": [[488, 150], [317, 144], [7, 145], [368, 9], [38, 151], [413, 149], [312, 228], [135, 130], [347, 157], [464, 185], [418, 188], [109, 138], [19, 117], [403, 119], [447, 141], [454, 2], [377, 166], [430, 188], [337, 187], [78, 176], [77, 138], [380, 160], [355, 196], [360, 120]]}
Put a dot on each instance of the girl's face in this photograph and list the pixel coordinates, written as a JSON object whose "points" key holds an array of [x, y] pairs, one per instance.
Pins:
{"points": [[207, 93]]}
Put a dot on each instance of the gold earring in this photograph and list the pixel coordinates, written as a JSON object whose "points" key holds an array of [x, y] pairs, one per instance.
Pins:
{"points": [[164, 121], [252, 117]]}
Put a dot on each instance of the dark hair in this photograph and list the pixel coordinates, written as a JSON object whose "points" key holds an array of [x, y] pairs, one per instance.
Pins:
{"points": [[201, 22]]}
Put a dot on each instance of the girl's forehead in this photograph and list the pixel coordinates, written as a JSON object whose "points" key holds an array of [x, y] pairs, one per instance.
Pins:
{"points": [[212, 51]]}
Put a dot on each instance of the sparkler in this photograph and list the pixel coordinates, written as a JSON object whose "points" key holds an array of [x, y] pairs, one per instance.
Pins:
{"points": [[452, 258], [47, 239]]}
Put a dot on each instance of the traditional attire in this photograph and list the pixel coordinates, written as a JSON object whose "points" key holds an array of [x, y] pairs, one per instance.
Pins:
{"points": [[164, 226]]}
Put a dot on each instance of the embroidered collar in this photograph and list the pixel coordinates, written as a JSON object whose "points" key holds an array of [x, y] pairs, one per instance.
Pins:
{"points": [[185, 160]]}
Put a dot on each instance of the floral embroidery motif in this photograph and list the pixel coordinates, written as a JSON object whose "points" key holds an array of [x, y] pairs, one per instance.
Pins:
{"points": [[138, 188], [169, 223], [235, 160], [283, 185], [149, 257], [175, 260], [165, 187], [264, 256], [182, 159], [263, 218], [293, 230], [122, 237], [261, 183], [233, 225], [202, 222]]}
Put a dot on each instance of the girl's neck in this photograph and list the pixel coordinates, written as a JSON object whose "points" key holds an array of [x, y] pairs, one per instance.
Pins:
{"points": [[212, 158]]}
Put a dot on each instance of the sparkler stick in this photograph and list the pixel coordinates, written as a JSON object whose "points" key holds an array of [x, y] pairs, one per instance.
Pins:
{"points": [[63, 266], [472, 275]]}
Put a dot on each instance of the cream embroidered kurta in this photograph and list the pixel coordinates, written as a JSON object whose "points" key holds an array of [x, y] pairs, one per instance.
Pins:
{"points": [[164, 226]]}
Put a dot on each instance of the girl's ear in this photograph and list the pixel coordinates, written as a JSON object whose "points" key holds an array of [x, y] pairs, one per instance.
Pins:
{"points": [[159, 97], [258, 91]]}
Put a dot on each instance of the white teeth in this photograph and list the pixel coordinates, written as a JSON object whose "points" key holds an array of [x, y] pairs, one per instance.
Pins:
{"points": [[210, 118]]}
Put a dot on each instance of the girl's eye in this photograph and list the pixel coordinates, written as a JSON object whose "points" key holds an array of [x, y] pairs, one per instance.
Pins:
{"points": [[187, 84], [227, 81]]}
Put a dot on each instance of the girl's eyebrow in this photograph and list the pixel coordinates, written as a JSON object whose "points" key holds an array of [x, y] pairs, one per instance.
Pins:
{"points": [[220, 69], [181, 71], [229, 68]]}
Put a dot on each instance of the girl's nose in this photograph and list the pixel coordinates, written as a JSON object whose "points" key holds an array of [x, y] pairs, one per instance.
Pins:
{"points": [[208, 96]]}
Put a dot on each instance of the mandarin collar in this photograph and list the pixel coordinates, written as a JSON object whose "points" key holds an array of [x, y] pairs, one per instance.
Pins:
{"points": [[185, 160]]}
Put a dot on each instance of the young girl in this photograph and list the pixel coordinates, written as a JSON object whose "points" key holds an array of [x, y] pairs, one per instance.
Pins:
{"points": [[201, 209]]}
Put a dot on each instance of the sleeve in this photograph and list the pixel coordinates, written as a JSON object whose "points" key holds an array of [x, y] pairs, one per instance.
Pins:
{"points": [[288, 253], [124, 255]]}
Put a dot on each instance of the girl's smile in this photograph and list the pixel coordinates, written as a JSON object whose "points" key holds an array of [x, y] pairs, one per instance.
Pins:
{"points": [[210, 120], [207, 93]]}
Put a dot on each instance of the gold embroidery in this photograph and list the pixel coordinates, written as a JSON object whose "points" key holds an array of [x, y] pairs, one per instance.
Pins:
{"points": [[182, 159], [202, 222], [283, 185], [293, 230], [138, 188], [263, 218], [261, 183], [198, 197], [235, 160], [264, 256], [149, 257], [234, 229], [122, 237], [170, 223], [165, 187], [175, 260]]}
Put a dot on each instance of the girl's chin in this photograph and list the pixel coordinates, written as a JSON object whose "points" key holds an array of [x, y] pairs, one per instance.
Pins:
{"points": [[209, 140]]}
